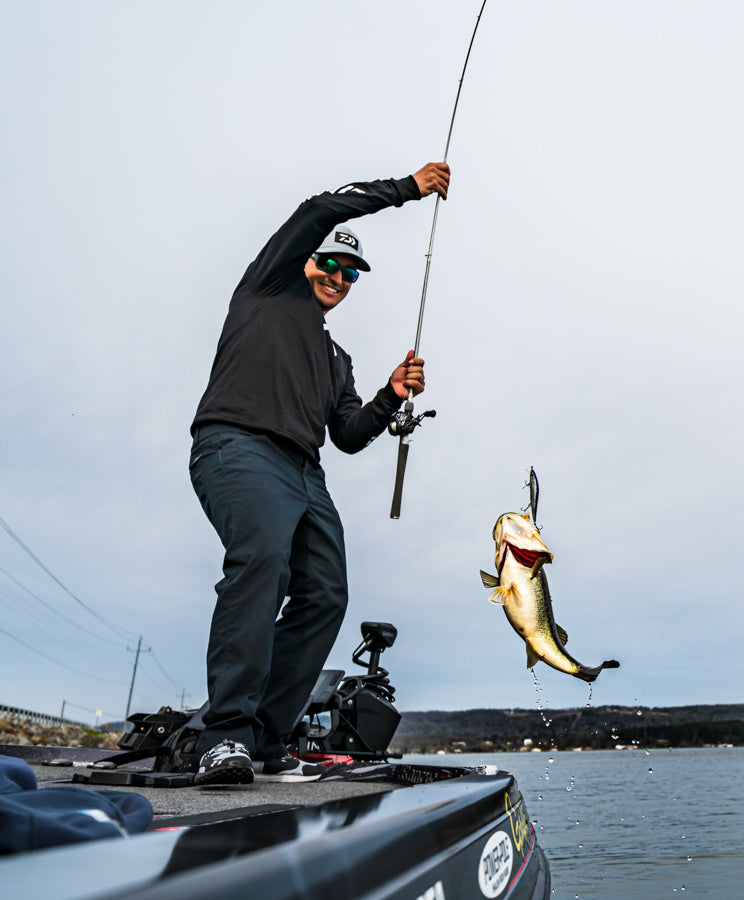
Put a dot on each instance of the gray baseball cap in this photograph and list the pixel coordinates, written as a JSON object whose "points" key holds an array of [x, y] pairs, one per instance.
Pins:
{"points": [[343, 240]]}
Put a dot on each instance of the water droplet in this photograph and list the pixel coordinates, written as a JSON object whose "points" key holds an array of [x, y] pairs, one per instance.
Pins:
{"points": [[551, 759], [568, 787], [581, 846], [539, 796], [650, 771], [639, 713], [689, 859]]}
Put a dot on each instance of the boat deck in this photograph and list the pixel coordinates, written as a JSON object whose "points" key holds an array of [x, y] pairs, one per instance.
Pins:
{"points": [[191, 805], [187, 805], [372, 831]]}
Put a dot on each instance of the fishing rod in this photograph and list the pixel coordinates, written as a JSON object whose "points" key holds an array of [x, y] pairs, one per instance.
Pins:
{"points": [[404, 422]]}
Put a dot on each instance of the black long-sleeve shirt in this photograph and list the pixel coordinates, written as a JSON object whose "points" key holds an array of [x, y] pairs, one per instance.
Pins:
{"points": [[276, 370]]}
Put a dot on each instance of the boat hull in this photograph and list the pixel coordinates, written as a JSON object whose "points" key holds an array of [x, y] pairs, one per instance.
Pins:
{"points": [[437, 833]]}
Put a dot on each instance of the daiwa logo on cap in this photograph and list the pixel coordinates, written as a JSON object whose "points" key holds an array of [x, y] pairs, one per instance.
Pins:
{"points": [[342, 237]]}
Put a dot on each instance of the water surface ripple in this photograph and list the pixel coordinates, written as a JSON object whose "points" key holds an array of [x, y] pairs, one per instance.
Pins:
{"points": [[632, 823]]}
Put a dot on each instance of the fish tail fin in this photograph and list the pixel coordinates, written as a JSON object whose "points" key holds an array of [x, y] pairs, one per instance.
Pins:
{"points": [[590, 673]]}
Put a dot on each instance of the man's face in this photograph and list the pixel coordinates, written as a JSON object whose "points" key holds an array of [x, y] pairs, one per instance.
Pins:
{"points": [[329, 290]]}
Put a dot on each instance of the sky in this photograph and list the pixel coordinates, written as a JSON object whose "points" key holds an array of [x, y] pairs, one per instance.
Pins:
{"points": [[583, 316]]}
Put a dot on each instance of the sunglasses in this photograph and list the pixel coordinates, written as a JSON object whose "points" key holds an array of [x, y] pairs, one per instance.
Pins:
{"points": [[328, 264]]}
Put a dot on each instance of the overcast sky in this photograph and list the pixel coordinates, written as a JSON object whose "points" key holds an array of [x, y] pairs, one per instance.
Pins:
{"points": [[583, 317]]}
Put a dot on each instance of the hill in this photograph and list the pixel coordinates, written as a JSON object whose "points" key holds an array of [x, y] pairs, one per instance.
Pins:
{"points": [[484, 730]]}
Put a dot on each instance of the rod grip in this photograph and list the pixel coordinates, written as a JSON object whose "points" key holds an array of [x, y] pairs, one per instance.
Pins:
{"points": [[400, 472]]}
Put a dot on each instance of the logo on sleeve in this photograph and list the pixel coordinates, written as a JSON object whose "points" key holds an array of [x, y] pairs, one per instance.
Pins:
{"points": [[343, 238]]}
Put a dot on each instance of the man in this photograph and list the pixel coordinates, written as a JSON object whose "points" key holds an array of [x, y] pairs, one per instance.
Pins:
{"points": [[277, 382]]}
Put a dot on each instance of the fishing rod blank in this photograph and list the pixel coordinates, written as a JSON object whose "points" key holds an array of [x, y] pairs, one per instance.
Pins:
{"points": [[404, 422]]}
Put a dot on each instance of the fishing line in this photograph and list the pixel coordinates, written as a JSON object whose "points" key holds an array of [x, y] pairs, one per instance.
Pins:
{"points": [[436, 204], [403, 423]]}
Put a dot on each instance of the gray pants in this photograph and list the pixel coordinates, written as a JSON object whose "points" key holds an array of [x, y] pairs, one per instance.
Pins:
{"points": [[283, 539]]}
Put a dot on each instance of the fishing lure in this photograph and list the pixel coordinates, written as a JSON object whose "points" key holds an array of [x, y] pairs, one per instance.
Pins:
{"points": [[534, 486]]}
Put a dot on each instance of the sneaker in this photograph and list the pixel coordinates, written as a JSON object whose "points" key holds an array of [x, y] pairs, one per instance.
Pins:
{"points": [[287, 768], [226, 763]]}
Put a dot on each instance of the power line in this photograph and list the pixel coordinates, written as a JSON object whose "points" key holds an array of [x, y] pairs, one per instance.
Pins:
{"points": [[57, 661], [26, 614], [54, 578], [121, 631], [56, 611], [158, 664]]}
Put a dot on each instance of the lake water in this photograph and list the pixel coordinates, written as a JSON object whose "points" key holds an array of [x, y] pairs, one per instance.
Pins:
{"points": [[632, 823]]}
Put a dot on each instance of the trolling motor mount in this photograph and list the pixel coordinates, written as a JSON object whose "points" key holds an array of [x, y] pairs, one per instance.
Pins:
{"points": [[352, 715]]}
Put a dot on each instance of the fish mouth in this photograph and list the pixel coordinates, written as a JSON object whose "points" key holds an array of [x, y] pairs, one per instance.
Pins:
{"points": [[526, 558], [515, 532]]}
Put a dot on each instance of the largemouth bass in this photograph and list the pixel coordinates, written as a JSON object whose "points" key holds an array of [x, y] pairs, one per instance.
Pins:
{"points": [[522, 589]]}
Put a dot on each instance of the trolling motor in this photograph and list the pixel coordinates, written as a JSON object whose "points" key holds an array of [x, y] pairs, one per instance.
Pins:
{"points": [[353, 716]]}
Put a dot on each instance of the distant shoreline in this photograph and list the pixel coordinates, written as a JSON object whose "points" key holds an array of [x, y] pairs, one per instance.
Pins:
{"points": [[591, 728]]}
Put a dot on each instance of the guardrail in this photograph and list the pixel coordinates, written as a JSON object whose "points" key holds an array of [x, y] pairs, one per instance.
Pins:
{"points": [[43, 718]]}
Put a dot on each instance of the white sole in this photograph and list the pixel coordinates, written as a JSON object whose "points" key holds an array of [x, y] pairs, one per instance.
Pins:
{"points": [[287, 778]]}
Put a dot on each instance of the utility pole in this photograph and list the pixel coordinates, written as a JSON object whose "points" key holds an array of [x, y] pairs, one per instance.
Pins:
{"points": [[134, 672]]}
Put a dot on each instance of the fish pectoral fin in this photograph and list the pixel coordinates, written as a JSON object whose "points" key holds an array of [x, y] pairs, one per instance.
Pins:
{"points": [[562, 635], [532, 657], [496, 596], [490, 581]]}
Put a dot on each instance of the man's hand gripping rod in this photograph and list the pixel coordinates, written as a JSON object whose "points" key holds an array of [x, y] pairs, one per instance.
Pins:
{"points": [[403, 423]]}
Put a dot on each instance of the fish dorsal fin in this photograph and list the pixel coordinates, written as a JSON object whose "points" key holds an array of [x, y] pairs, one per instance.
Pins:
{"points": [[497, 596], [562, 636], [489, 581], [532, 657]]}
